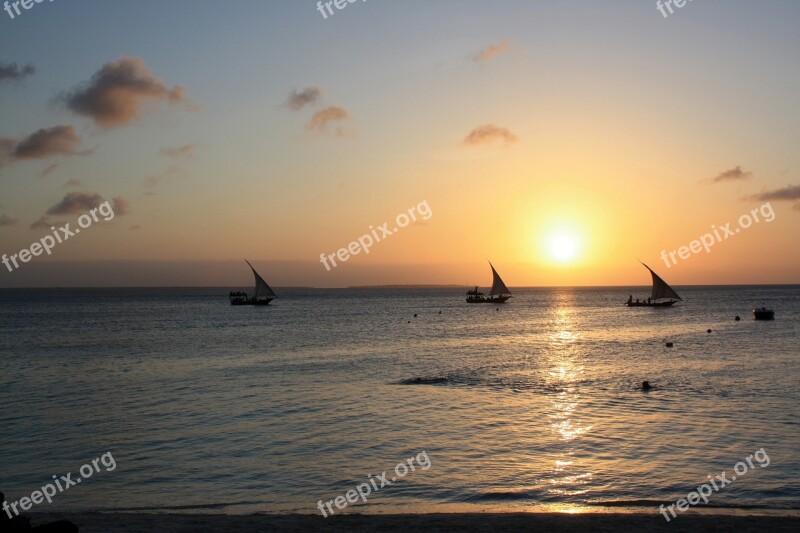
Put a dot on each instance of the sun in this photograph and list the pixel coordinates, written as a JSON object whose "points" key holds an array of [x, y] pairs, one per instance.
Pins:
{"points": [[563, 245]]}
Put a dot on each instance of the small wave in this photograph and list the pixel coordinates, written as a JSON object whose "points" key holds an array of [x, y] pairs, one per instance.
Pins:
{"points": [[199, 506], [435, 380], [656, 503], [501, 496]]}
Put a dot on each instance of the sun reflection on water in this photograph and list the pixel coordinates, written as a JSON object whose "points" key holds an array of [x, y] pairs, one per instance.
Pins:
{"points": [[563, 374]]}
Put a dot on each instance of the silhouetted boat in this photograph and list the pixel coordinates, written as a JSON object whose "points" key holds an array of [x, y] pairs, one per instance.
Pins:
{"points": [[263, 293], [763, 314], [661, 291], [497, 294]]}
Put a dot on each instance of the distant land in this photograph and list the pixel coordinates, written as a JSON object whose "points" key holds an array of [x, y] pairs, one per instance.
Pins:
{"points": [[407, 286]]}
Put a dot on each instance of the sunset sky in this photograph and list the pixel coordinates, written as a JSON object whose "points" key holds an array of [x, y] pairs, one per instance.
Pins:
{"points": [[562, 140]]}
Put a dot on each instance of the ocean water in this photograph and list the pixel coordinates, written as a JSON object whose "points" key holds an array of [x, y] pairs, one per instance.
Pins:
{"points": [[533, 405]]}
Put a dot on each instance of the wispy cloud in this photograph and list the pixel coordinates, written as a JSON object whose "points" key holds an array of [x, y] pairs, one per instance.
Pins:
{"points": [[178, 152], [734, 174], [72, 183], [491, 52], [45, 223], [298, 99], [75, 202], [80, 202], [7, 220], [13, 72], [49, 170], [325, 121], [788, 194], [489, 133], [121, 206], [117, 93], [151, 182]]}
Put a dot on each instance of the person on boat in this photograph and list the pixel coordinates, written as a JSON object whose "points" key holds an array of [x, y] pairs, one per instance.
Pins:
{"points": [[648, 299], [637, 300], [630, 298]]}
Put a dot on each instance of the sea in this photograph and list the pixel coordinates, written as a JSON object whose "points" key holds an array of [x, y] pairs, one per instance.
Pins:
{"points": [[534, 405]]}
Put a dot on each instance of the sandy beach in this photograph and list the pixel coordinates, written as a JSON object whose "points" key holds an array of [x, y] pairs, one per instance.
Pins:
{"points": [[597, 522]]}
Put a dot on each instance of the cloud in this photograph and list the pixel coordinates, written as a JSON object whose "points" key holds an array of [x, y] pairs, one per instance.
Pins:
{"points": [[488, 133], [788, 194], [152, 182], [72, 183], [734, 174], [116, 94], [7, 147], [323, 119], [81, 202], [76, 202], [178, 152], [44, 223], [120, 206], [49, 169], [43, 144], [298, 99], [12, 71], [48, 142], [491, 52], [6, 220]]}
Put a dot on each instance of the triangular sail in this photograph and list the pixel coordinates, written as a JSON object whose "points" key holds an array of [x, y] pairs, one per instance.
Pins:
{"points": [[661, 288], [498, 287], [262, 289]]}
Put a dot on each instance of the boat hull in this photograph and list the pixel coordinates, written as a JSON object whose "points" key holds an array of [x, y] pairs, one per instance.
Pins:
{"points": [[252, 302], [651, 304], [763, 314], [493, 300]]}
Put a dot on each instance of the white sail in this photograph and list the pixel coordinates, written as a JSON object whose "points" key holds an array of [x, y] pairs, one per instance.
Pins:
{"points": [[262, 289], [498, 287], [661, 288]]}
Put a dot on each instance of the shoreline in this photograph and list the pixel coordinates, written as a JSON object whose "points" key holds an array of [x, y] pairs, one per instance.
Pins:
{"points": [[114, 522]]}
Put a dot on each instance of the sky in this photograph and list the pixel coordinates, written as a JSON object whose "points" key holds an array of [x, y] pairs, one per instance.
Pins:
{"points": [[564, 141]]}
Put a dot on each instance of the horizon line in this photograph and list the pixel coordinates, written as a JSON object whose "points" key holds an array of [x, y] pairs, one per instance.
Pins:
{"points": [[390, 286]]}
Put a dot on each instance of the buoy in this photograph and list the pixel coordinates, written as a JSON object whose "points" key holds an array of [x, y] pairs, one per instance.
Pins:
{"points": [[670, 345], [646, 385], [440, 312], [415, 315], [497, 309], [738, 318], [409, 322], [708, 331]]}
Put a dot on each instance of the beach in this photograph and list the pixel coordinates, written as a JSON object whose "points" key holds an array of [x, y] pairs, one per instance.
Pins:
{"points": [[596, 522]]}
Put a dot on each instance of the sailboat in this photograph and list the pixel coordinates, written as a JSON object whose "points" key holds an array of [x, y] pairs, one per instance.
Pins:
{"points": [[263, 293], [498, 294], [661, 291]]}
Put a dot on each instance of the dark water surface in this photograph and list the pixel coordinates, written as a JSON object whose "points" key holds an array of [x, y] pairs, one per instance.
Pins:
{"points": [[233, 409]]}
